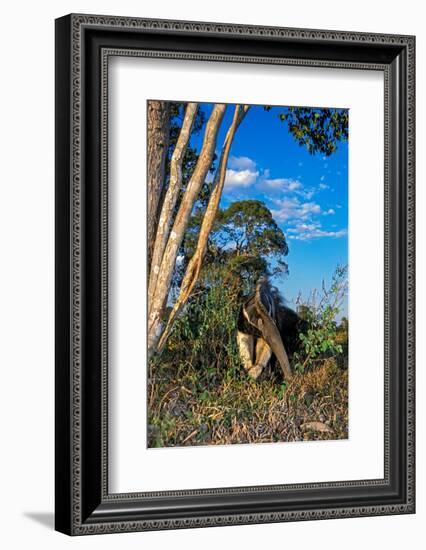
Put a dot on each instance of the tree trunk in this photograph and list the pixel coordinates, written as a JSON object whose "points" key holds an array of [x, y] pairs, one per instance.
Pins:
{"points": [[169, 203], [158, 120], [193, 270], [180, 224]]}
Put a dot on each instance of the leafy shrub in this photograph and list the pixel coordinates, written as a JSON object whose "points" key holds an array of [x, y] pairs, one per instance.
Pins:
{"points": [[199, 393], [205, 332], [320, 311]]}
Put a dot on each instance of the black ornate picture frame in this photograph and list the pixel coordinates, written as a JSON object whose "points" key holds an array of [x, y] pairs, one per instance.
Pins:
{"points": [[84, 44]]}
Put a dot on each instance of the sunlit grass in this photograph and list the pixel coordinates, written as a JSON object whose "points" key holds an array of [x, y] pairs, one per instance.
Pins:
{"points": [[199, 393], [219, 407]]}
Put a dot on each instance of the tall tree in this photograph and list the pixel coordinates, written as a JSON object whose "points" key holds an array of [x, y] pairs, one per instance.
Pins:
{"points": [[165, 271], [158, 119], [318, 130], [194, 266], [250, 239], [171, 196]]}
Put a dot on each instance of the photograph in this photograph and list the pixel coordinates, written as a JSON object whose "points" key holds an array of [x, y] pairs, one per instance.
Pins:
{"points": [[234, 274], [248, 273]]}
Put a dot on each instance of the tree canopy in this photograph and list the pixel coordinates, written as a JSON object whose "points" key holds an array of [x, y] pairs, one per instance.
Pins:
{"points": [[245, 241], [242, 239], [319, 130]]}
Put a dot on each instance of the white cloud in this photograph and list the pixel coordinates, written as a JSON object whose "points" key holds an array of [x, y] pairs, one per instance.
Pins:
{"points": [[322, 178], [294, 209], [303, 227], [317, 234], [307, 231], [242, 172], [308, 194], [241, 163], [280, 184], [328, 212], [323, 186], [240, 178], [293, 185]]}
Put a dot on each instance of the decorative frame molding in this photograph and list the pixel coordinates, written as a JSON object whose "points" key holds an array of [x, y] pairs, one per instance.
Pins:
{"points": [[84, 44]]}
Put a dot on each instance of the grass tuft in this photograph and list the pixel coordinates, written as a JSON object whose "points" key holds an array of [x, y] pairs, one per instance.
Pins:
{"points": [[219, 407], [199, 393]]}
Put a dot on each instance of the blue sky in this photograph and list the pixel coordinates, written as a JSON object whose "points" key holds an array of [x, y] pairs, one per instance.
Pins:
{"points": [[307, 195]]}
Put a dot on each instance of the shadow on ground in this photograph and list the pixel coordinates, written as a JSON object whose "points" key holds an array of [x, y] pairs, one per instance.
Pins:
{"points": [[46, 519]]}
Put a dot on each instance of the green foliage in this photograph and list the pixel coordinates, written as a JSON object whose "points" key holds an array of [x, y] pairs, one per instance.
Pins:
{"points": [[249, 228], [205, 333], [322, 337], [281, 391], [189, 407], [319, 130], [198, 390], [245, 242], [246, 238]]}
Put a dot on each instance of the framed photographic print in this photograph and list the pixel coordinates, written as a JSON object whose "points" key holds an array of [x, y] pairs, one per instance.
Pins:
{"points": [[234, 274]]}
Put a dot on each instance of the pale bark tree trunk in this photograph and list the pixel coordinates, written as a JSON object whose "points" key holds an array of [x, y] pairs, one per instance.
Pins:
{"points": [[194, 266], [179, 226], [158, 115], [169, 203]]}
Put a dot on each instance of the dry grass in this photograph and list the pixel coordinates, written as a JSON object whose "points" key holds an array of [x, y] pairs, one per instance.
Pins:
{"points": [[193, 406]]}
